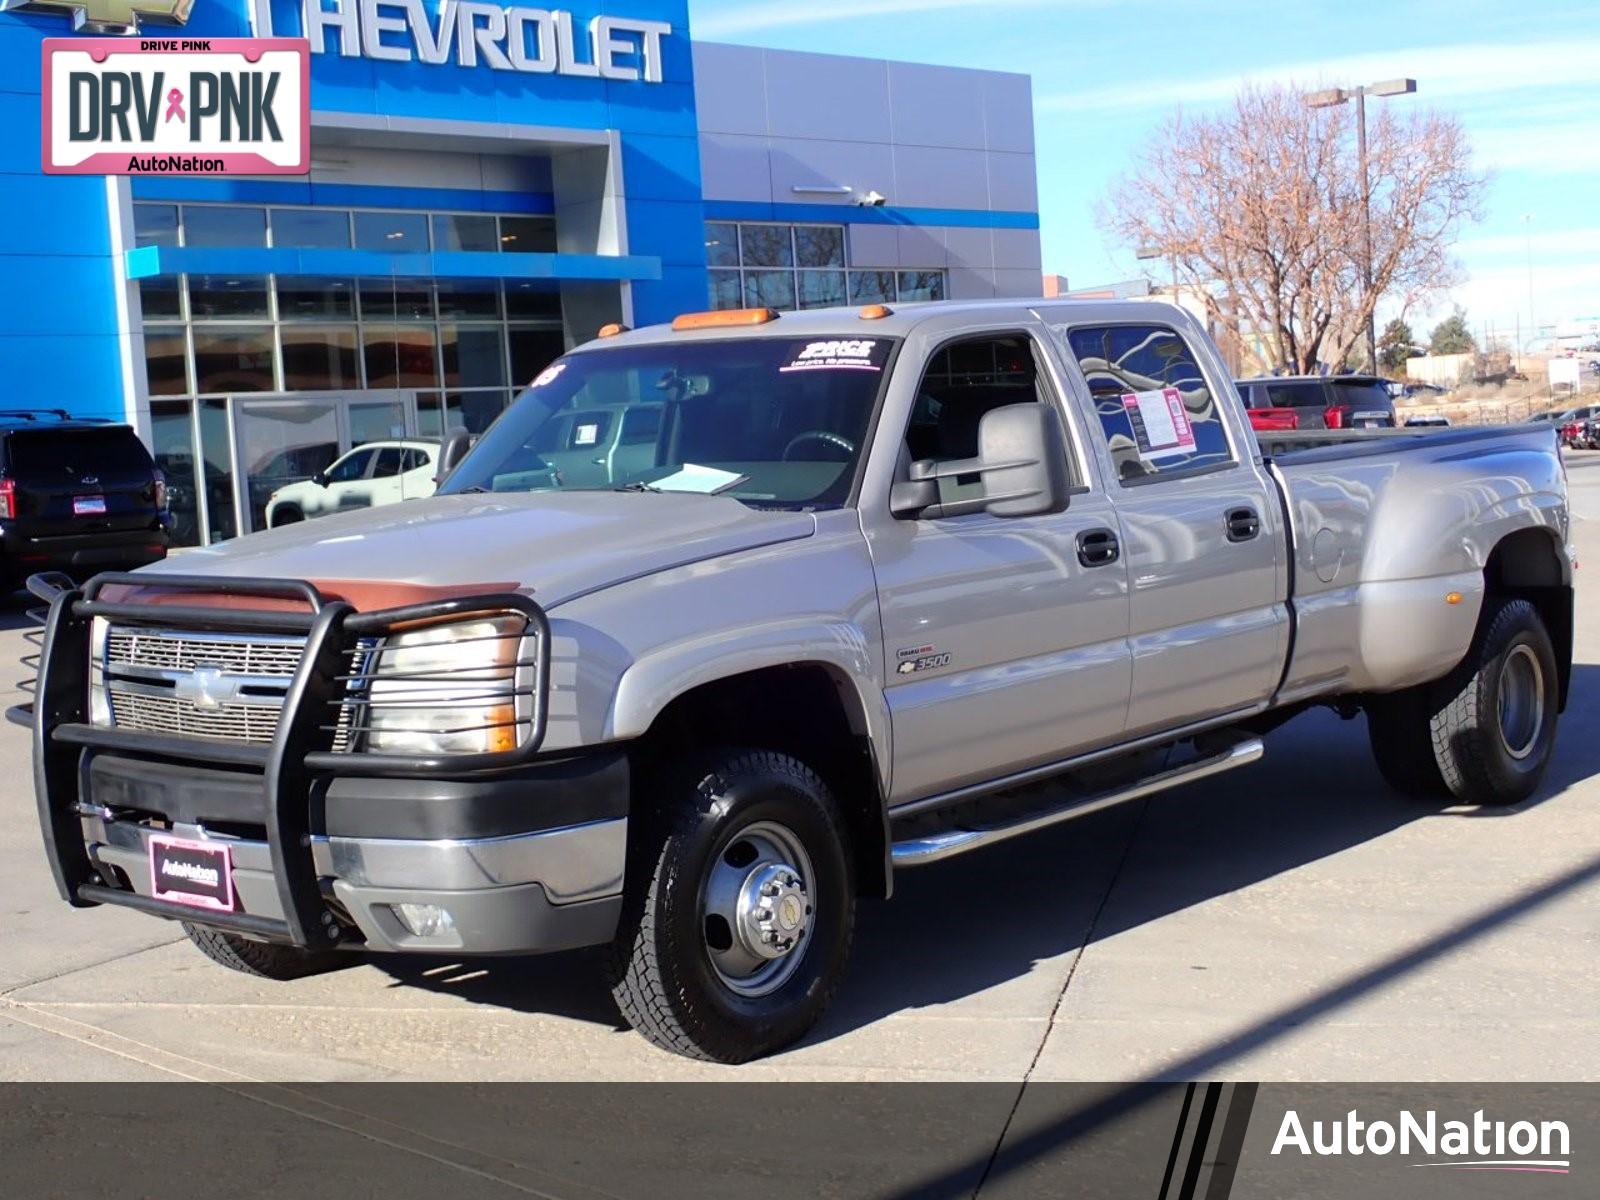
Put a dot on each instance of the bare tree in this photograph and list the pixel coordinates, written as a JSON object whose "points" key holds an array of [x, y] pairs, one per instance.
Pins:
{"points": [[1260, 207]]}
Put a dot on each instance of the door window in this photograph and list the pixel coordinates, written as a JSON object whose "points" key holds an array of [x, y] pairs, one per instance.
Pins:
{"points": [[391, 460], [351, 467], [965, 380], [1156, 410]]}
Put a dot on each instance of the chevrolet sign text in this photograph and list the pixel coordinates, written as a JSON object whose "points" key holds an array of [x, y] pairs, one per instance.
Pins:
{"points": [[471, 33]]}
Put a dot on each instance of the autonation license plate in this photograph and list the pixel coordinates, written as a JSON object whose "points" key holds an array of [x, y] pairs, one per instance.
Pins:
{"points": [[88, 506], [176, 106], [199, 874]]}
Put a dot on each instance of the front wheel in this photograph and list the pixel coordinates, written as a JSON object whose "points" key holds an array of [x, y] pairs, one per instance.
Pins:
{"points": [[264, 960], [740, 910]]}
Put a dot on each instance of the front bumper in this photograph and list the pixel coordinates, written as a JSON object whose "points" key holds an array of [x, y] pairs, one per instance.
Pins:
{"points": [[527, 861], [555, 889], [521, 853]]}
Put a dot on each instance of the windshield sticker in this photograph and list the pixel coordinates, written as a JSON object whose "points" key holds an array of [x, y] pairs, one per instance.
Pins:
{"points": [[692, 477], [548, 375], [843, 354], [1160, 424]]}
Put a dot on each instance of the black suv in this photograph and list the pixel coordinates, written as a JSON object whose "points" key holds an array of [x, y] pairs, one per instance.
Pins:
{"points": [[1324, 402], [76, 495]]}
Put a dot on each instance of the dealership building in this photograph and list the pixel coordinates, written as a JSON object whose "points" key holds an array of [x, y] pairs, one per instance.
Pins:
{"points": [[487, 189]]}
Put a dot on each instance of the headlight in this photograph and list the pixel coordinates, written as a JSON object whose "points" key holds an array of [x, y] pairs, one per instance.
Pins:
{"points": [[457, 688], [99, 702]]}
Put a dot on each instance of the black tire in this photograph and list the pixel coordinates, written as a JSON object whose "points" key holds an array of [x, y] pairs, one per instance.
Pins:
{"points": [[1451, 739], [287, 515], [264, 960], [1402, 743], [662, 968], [1480, 760]]}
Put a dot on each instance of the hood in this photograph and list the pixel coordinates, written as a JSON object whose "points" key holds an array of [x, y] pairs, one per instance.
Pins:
{"points": [[555, 545]]}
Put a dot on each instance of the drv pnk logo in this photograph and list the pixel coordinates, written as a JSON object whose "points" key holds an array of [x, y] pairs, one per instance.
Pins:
{"points": [[171, 106]]}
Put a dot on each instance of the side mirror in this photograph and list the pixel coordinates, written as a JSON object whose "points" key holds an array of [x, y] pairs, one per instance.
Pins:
{"points": [[1019, 459], [320, 478], [1024, 463], [451, 451]]}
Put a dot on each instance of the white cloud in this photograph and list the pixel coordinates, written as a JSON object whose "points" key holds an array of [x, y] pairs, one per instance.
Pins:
{"points": [[1545, 149], [1557, 244], [1442, 72]]}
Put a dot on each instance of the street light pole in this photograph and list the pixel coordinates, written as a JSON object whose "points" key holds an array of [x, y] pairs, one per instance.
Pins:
{"points": [[1327, 99], [1366, 229], [1533, 319]]}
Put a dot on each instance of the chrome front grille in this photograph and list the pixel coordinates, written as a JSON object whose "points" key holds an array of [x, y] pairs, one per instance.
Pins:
{"points": [[216, 686], [168, 714], [186, 652]]}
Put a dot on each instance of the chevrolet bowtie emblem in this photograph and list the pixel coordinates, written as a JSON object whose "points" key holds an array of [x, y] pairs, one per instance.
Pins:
{"points": [[206, 688], [119, 17]]}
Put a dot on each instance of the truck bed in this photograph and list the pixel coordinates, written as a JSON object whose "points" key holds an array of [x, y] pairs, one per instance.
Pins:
{"points": [[1322, 445], [1385, 525]]}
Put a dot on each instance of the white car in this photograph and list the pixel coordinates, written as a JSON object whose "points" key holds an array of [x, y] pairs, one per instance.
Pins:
{"points": [[370, 475]]}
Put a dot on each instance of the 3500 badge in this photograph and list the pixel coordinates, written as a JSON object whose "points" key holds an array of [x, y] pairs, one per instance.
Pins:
{"points": [[176, 106]]}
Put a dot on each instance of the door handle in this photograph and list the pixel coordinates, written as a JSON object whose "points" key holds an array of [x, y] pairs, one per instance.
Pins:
{"points": [[1098, 547], [1243, 524]]}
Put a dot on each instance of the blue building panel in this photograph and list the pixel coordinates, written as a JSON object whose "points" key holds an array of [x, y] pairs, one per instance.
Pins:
{"points": [[81, 373]]}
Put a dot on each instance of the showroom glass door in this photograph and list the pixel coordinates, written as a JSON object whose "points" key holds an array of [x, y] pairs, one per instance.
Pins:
{"points": [[283, 441]]}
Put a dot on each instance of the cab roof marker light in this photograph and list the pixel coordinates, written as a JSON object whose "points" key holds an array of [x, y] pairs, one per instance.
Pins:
{"points": [[876, 312], [611, 330], [723, 318]]}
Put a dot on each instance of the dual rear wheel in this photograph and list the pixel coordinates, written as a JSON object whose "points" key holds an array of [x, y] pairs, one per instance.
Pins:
{"points": [[1484, 733]]}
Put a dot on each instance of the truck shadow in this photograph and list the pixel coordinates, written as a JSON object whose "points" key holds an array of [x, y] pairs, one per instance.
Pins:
{"points": [[961, 928]]}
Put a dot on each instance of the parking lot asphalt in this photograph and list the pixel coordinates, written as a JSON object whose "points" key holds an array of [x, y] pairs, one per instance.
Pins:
{"points": [[1293, 920]]}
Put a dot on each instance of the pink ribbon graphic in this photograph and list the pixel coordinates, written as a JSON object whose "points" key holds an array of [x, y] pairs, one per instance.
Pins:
{"points": [[174, 106]]}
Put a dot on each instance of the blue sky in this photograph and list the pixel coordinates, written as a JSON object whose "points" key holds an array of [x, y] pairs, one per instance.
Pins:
{"points": [[1523, 77]]}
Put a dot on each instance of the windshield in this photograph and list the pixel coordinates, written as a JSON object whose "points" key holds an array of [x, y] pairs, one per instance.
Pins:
{"points": [[769, 421]]}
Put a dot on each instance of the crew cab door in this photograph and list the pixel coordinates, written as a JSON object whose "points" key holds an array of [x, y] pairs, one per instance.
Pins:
{"points": [[1203, 538], [1005, 638]]}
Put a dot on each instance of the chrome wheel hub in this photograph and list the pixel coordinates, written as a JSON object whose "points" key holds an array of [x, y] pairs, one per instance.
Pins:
{"points": [[773, 911], [1519, 702], [756, 909]]}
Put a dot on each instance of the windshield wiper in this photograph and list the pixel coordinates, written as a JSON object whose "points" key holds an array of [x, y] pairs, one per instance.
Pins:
{"points": [[638, 487]]}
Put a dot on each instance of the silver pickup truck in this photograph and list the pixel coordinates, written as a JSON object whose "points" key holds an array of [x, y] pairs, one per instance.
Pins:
{"points": [[722, 624]]}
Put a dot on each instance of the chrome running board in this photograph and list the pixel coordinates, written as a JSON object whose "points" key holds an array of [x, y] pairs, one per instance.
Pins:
{"points": [[936, 847]]}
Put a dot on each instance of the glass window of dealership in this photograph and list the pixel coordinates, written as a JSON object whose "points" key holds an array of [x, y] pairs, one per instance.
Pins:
{"points": [[261, 371]]}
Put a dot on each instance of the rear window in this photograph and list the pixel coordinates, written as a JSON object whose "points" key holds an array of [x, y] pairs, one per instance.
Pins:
{"points": [[1295, 395], [1366, 396], [72, 453]]}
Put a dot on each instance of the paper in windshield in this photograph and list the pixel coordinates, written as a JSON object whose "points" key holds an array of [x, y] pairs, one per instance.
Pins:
{"points": [[704, 480], [1160, 425]]}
